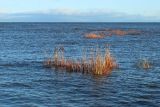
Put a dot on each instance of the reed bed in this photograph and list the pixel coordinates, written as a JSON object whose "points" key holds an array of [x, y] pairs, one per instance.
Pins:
{"points": [[123, 32], [97, 63], [94, 36], [111, 32]]}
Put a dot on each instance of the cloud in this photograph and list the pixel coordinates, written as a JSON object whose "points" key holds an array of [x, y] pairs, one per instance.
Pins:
{"points": [[71, 15]]}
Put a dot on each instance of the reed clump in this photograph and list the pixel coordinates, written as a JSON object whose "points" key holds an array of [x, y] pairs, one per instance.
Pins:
{"points": [[97, 63], [94, 36], [145, 64], [123, 32], [111, 32]]}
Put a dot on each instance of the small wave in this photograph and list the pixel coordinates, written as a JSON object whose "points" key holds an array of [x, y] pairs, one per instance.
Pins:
{"points": [[66, 42], [16, 85], [21, 64], [152, 86]]}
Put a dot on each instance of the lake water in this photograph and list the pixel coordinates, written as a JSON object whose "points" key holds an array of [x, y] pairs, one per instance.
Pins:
{"points": [[25, 82]]}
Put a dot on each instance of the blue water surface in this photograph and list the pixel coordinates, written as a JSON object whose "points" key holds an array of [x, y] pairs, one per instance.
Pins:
{"points": [[24, 82]]}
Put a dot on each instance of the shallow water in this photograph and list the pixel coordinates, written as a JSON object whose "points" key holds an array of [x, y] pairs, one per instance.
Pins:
{"points": [[25, 82]]}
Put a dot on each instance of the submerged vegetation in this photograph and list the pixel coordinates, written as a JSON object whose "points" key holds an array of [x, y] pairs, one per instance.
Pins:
{"points": [[97, 63]]}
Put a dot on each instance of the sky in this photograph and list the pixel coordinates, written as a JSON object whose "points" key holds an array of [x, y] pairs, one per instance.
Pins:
{"points": [[79, 11]]}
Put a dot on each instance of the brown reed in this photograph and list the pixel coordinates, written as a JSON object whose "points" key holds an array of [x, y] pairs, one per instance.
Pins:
{"points": [[94, 36], [97, 64], [145, 64], [123, 32]]}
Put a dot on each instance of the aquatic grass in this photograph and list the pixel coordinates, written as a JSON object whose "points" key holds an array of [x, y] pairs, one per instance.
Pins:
{"points": [[94, 36], [120, 32], [47, 63], [97, 63], [111, 32], [104, 64], [144, 63]]}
